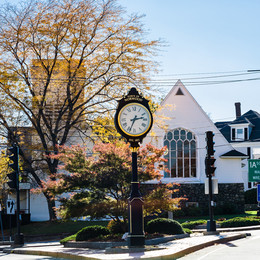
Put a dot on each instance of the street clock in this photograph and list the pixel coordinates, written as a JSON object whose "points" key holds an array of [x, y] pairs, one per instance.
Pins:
{"points": [[133, 118]]}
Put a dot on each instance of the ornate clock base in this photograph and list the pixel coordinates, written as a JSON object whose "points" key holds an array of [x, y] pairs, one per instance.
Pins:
{"points": [[136, 222]]}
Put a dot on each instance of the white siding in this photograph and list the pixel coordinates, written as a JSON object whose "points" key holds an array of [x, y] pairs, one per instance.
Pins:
{"points": [[183, 111]]}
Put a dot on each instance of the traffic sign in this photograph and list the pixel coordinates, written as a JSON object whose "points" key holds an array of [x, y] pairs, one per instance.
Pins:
{"points": [[254, 170], [214, 186], [10, 207], [258, 192]]}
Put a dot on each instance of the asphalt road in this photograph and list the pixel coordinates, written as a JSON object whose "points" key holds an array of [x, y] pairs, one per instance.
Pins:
{"points": [[246, 248]]}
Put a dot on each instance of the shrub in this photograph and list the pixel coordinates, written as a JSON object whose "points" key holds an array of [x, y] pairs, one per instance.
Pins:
{"points": [[193, 224], [251, 196], [67, 239], [164, 226], [187, 231], [177, 213], [91, 232], [192, 211], [226, 208], [240, 222], [116, 227]]}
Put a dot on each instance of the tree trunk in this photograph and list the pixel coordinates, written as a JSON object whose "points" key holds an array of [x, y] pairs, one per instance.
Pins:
{"points": [[51, 206]]}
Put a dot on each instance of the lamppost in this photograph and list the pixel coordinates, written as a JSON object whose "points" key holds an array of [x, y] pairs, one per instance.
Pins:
{"points": [[133, 120]]}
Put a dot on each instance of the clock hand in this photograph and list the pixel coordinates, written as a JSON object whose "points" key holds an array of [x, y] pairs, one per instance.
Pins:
{"points": [[139, 118], [133, 120]]}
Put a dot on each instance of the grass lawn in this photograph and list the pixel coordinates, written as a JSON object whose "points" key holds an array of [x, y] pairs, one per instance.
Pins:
{"points": [[216, 217], [72, 227], [56, 227]]}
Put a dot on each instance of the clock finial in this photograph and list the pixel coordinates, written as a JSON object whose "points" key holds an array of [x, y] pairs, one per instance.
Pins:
{"points": [[133, 91]]}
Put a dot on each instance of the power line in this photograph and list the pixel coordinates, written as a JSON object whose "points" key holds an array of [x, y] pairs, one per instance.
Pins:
{"points": [[208, 77], [207, 73]]}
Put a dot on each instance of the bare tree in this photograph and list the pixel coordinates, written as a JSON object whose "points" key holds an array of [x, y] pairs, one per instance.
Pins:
{"points": [[63, 64]]}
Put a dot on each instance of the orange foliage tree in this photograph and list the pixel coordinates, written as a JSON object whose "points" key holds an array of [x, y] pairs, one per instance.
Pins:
{"points": [[63, 65], [99, 185]]}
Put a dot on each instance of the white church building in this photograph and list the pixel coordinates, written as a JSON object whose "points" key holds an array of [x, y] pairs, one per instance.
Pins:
{"points": [[183, 132]]}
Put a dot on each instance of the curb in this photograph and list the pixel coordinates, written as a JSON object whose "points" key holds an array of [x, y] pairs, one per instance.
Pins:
{"points": [[165, 256], [201, 246], [104, 245], [231, 229]]}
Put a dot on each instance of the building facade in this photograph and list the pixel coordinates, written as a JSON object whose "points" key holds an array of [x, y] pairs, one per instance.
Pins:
{"points": [[243, 133], [181, 125]]}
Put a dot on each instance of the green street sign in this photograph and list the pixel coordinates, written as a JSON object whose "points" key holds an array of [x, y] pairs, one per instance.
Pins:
{"points": [[254, 170]]}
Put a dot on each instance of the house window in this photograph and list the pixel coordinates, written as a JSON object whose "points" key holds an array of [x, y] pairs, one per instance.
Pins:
{"points": [[240, 135], [181, 156]]}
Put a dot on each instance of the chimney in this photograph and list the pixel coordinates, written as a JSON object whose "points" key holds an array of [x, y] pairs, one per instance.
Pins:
{"points": [[238, 109]]}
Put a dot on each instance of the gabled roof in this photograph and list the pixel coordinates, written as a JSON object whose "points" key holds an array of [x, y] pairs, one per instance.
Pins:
{"points": [[251, 117], [234, 154], [220, 125], [241, 120]]}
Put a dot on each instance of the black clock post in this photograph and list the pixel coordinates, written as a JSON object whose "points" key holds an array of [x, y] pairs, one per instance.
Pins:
{"points": [[133, 120]]}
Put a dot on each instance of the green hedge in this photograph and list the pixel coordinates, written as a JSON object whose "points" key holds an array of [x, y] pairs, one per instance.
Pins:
{"points": [[193, 224], [240, 222], [91, 232], [251, 196], [164, 226]]}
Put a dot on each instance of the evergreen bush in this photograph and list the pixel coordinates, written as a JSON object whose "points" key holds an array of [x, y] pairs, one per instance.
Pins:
{"points": [[90, 232], [193, 224], [226, 208], [193, 211], [240, 222], [177, 213], [251, 196], [116, 227], [164, 226]]}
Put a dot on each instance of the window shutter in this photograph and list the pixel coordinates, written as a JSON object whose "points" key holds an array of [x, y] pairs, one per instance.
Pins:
{"points": [[233, 134], [245, 133]]}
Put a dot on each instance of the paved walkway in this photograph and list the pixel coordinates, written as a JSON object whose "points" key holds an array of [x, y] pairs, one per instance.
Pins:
{"points": [[169, 250]]}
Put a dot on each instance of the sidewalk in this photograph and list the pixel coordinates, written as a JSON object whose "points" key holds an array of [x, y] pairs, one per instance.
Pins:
{"points": [[170, 250]]}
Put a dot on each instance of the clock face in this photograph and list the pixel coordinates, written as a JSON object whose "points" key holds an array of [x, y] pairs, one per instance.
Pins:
{"points": [[134, 119]]}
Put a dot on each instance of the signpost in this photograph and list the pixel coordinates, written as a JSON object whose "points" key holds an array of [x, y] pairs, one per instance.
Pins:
{"points": [[258, 193], [254, 176], [10, 207], [254, 170]]}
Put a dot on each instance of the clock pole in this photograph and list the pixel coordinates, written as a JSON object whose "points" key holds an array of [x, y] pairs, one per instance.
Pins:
{"points": [[133, 120], [135, 206]]}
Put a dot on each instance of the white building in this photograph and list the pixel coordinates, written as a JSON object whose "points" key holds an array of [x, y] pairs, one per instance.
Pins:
{"points": [[182, 130], [243, 134]]}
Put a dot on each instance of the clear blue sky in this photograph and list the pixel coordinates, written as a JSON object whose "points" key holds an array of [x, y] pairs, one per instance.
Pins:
{"points": [[206, 36], [203, 37]]}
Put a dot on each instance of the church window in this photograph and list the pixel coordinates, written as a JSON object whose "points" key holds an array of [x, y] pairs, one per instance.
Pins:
{"points": [[181, 156]]}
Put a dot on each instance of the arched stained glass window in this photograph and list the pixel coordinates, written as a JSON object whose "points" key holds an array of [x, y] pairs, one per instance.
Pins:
{"points": [[181, 155]]}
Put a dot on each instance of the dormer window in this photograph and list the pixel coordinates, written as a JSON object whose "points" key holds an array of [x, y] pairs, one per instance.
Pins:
{"points": [[239, 134]]}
